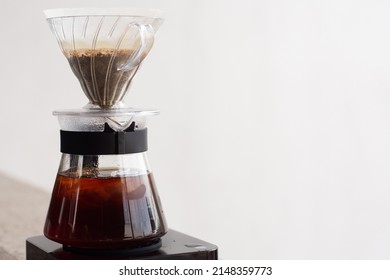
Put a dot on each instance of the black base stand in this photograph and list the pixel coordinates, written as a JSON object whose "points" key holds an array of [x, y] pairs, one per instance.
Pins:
{"points": [[174, 246]]}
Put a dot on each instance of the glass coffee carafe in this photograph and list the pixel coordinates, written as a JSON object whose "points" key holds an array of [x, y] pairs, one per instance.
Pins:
{"points": [[104, 195]]}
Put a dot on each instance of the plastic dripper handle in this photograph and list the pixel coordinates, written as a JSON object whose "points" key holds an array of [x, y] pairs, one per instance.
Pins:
{"points": [[146, 34]]}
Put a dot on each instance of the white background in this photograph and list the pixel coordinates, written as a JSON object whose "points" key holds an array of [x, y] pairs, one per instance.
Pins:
{"points": [[274, 135]]}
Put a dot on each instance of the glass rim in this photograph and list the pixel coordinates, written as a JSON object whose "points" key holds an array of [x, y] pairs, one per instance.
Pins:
{"points": [[79, 12], [121, 112]]}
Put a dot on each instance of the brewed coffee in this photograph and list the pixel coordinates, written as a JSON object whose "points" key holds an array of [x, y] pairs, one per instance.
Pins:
{"points": [[110, 212]]}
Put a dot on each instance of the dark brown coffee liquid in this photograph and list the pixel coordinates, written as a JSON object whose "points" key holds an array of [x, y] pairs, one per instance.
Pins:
{"points": [[119, 212], [100, 73]]}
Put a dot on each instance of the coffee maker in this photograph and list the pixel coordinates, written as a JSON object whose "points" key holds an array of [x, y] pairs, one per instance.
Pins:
{"points": [[105, 204]]}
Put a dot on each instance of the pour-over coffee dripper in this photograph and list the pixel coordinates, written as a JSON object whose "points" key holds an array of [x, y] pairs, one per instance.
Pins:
{"points": [[104, 195], [104, 47]]}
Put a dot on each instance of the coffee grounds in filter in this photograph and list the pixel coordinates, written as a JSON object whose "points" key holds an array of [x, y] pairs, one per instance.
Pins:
{"points": [[101, 73]]}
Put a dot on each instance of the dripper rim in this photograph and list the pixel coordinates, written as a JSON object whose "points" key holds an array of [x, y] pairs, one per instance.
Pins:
{"points": [[129, 11]]}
